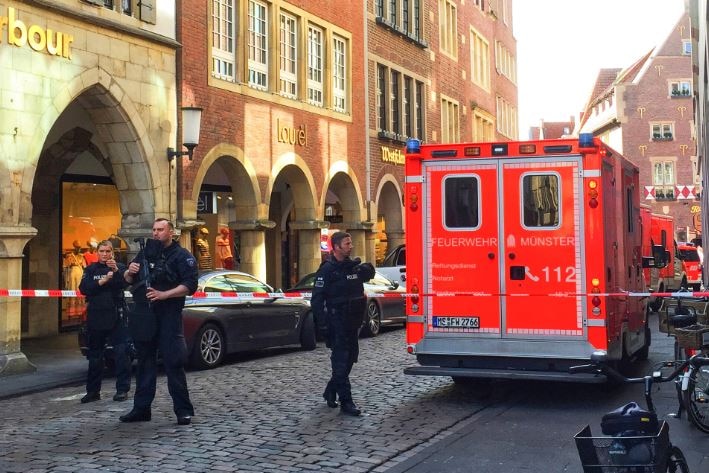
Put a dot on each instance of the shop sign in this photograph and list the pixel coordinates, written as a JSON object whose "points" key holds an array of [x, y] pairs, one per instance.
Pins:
{"points": [[291, 135], [19, 34], [394, 156], [205, 203]]}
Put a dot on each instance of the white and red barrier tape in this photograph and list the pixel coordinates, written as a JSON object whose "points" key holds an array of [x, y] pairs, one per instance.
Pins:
{"points": [[306, 295]]}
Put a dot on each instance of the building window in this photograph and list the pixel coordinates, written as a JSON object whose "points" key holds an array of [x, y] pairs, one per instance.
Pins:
{"points": [[381, 97], [450, 130], [662, 131], [663, 178], [399, 105], [680, 88], [289, 56], [483, 126], [258, 45], [418, 106], [506, 118], [448, 27], [408, 102], [479, 60], [392, 12], [315, 66], [405, 20], [686, 47], [223, 39], [339, 89], [505, 62], [480, 4], [379, 8]]}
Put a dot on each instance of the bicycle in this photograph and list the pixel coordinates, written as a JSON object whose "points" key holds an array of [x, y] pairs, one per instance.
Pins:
{"points": [[638, 448], [691, 339]]}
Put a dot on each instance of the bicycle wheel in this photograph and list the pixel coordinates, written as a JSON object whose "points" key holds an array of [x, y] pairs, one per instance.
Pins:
{"points": [[676, 463], [696, 398]]}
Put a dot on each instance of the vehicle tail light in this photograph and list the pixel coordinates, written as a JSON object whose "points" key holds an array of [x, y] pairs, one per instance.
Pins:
{"points": [[592, 194], [413, 199]]}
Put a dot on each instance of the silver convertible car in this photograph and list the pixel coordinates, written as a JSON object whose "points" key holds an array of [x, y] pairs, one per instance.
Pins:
{"points": [[380, 310], [217, 326]]}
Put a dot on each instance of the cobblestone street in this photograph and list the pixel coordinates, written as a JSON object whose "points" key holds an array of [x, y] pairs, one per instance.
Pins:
{"points": [[258, 413]]}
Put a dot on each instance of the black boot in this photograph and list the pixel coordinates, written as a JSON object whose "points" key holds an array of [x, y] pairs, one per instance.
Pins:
{"points": [[330, 397], [136, 415], [91, 397], [349, 408]]}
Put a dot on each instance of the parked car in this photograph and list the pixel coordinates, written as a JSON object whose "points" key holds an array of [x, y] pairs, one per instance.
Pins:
{"points": [[380, 310], [394, 265], [216, 327]]}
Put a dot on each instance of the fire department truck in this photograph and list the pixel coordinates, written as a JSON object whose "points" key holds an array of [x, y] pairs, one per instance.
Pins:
{"points": [[658, 231], [521, 258]]}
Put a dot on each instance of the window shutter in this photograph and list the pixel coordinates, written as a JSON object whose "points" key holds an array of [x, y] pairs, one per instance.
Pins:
{"points": [[147, 11]]}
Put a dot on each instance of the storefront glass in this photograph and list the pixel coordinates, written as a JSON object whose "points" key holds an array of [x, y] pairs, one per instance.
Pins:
{"points": [[90, 213]]}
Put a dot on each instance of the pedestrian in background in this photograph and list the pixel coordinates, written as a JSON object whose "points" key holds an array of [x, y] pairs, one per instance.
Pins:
{"points": [[172, 275], [102, 283], [338, 301]]}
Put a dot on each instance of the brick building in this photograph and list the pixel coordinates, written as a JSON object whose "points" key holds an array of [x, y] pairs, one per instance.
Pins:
{"points": [[646, 112], [439, 71]]}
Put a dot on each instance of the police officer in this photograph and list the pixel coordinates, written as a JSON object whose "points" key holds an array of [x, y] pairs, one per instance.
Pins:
{"points": [[338, 301], [102, 283], [172, 276]]}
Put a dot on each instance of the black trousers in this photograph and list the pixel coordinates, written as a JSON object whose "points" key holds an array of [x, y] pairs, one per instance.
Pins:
{"points": [[170, 340], [118, 338], [344, 342]]}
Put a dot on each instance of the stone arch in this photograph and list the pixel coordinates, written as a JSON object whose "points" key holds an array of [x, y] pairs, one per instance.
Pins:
{"points": [[304, 195], [241, 174], [389, 208], [128, 146], [342, 176]]}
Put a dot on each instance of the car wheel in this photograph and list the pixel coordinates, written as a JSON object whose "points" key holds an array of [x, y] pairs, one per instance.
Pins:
{"points": [[308, 333], [373, 320], [209, 348]]}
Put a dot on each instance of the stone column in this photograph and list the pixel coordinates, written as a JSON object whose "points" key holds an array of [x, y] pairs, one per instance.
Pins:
{"points": [[309, 258], [394, 239], [362, 239], [12, 242], [253, 245]]}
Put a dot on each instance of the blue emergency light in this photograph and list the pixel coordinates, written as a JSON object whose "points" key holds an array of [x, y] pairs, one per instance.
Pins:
{"points": [[585, 140], [413, 145]]}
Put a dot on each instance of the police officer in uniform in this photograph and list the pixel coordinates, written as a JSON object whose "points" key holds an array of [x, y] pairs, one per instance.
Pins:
{"points": [[338, 301], [172, 275], [102, 283]]}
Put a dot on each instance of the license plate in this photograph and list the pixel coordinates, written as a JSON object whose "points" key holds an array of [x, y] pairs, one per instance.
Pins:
{"points": [[456, 322]]}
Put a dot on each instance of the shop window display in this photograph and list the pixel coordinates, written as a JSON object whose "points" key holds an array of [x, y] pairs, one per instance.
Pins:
{"points": [[90, 213]]}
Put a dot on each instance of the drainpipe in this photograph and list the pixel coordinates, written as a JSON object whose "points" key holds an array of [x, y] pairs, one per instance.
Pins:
{"points": [[367, 153]]}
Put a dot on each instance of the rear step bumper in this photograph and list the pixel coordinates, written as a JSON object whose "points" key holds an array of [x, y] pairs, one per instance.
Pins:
{"points": [[559, 376]]}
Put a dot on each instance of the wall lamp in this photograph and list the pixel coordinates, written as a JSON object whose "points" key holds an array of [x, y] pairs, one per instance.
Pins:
{"points": [[191, 117]]}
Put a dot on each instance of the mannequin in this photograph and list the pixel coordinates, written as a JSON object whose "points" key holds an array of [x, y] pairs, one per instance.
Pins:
{"points": [[91, 256], [224, 256], [204, 257], [74, 264]]}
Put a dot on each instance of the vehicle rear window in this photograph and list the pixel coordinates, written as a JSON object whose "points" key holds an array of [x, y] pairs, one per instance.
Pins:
{"points": [[461, 201], [235, 283], [689, 254], [540, 200]]}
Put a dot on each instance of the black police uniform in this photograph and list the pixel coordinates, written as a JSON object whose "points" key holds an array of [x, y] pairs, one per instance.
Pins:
{"points": [[338, 301], [105, 322], [169, 267]]}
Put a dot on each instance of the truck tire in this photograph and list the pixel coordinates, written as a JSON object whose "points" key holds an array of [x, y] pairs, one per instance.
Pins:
{"points": [[644, 353]]}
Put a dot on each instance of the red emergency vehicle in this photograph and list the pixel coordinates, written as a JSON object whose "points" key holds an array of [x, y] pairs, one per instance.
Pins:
{"points": [[688, 268], [658, 238], [520, 255]]}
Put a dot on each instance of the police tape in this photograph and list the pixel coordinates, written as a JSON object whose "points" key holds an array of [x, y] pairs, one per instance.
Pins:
{"points": [[29, 293]]}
